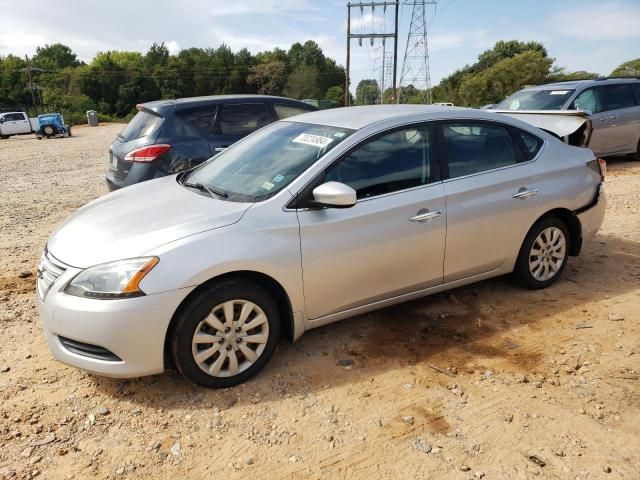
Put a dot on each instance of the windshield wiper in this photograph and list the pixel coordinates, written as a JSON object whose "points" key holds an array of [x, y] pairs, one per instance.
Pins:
{"points": [[203, 188]]}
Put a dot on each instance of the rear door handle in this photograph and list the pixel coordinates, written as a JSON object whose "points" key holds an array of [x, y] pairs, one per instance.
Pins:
{"points": [[221, 149], [425, 216], [526, 193]]}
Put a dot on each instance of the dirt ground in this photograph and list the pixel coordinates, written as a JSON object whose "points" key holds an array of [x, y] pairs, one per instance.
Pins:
{"points": [[488, 381]]}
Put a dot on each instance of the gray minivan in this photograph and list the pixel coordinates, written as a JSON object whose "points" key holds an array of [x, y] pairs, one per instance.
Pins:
{"points": [[611, 105]]}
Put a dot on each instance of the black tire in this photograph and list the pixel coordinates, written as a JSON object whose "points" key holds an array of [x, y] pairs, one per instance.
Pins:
{"points": [[69, 132], [4, 137], [48, 131], [523, 271], [190, 319], [637, 155]]}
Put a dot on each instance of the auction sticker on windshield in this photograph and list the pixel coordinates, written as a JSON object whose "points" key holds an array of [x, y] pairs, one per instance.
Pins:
{"points": [[313, 140]]}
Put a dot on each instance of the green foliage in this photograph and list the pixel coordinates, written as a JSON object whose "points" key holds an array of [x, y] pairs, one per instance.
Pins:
{"points": [[336, 95], [115, 81], [501, 71], [627, 69], [55, 57], [367, 92]]}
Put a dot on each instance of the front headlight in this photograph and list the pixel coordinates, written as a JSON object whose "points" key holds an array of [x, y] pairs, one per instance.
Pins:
{"points": [[119, 279]]}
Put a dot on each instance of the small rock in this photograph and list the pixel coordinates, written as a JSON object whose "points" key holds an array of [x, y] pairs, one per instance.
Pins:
{"points": [[616, 317], [607, 469], [248, 461], [422, 445], [465, 468], [35, 459], [479, 474], [537, 459], [408, 419], [345, 362], [5, 368], [43, 441], [294, 459], [24, 274], [102, 410], [175, 449], [120, 471], [26, 453]]}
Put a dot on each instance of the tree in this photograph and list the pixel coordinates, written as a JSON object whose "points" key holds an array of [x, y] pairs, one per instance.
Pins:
{"points": [[302, 83], [335, 94], [627, 69], [55, 57], [367, 92], [269, 78], [503, 78]]}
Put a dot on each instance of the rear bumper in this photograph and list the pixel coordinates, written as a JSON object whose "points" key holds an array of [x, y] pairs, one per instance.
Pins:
{"points": [[139, 172], [591, 218]]}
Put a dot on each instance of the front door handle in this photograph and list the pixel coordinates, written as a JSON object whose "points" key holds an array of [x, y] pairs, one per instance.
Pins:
{"points": [[424, 216], [221, 149], [525, 193]]}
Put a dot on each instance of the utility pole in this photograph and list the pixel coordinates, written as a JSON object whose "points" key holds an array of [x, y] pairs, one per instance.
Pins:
{"points": [[373, 35], [28, 69], [415, 67]]}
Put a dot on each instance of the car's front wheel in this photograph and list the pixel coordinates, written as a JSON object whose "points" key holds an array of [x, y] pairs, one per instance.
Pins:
{"points": [[543, 254], [48, 131], [225, 334]]}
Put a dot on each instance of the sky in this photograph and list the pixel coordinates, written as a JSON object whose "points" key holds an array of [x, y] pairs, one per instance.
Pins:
{"points": [[589, 35]]}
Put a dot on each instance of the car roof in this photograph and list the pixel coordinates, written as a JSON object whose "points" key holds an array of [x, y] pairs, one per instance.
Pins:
{"points": [[196, 101], [573, 84], [356, 118]]}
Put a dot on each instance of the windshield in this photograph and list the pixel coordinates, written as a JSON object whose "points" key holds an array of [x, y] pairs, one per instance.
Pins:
{"points": [[536, 100], [265, 162], [143, 124]]}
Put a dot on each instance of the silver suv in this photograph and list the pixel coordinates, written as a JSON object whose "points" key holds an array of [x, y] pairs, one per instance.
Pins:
{"points": [[612, 106], [310, 220]]}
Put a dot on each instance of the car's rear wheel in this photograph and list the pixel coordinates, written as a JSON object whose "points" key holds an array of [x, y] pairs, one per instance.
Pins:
{"points": [[4, 137], [48, 131], [225, 334], [544, 253]]}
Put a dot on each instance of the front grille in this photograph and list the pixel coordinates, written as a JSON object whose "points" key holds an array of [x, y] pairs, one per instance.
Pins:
{"points": [[88, 350], [49, 270]]}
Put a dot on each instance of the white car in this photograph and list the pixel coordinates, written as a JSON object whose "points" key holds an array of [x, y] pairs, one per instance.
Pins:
{"points": [[16, 123], [310, 220]]}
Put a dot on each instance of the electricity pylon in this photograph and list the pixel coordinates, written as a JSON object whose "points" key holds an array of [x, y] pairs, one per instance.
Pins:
{"points": [[415, 66]]}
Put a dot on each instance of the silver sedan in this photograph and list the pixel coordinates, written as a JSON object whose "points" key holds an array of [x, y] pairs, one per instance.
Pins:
{"points": [[308, 221]]}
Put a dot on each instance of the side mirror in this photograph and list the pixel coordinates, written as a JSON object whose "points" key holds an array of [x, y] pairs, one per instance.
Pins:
{"points": [[334, 194]]}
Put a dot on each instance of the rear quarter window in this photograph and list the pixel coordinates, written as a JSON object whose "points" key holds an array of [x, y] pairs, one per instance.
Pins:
{"points": [[286, 111], [531, 143], [142, 125], [200, 118]]}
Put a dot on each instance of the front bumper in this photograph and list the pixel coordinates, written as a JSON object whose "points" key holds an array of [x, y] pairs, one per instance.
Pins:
{"points": [[591, 218], [133, 329]]}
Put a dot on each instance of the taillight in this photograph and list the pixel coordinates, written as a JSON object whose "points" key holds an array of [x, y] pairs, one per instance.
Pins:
{"points": [[603, 168], [147, 154], [599, 166]]}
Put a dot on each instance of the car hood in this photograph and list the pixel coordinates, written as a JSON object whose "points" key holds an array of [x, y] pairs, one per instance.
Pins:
{"points": [[131, 221]]}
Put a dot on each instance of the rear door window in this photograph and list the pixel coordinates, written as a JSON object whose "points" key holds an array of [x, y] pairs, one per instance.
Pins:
{"points": [[617, 96], [286, 111], [142, 125], [200, 118], [241, 119], [477, 147]]}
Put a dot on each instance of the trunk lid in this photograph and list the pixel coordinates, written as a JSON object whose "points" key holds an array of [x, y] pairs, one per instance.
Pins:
{"points": [[571, 126]]}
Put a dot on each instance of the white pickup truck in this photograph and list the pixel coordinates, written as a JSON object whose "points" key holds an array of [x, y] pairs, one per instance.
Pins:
{"points": [[17, 123]]}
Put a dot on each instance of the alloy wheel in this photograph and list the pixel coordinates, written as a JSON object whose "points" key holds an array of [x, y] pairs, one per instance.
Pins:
{"points": [[547, 254], [230, 338]]}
